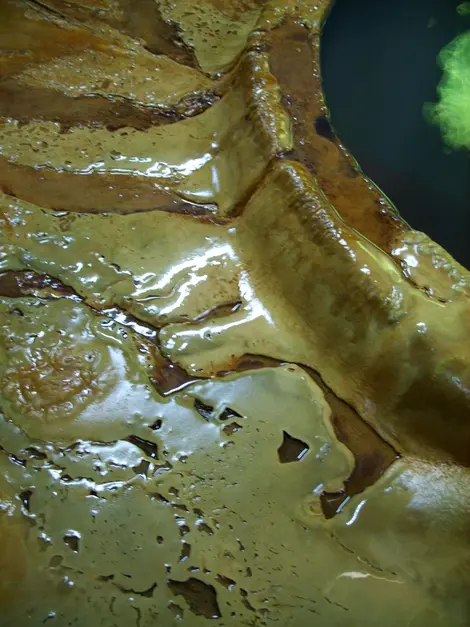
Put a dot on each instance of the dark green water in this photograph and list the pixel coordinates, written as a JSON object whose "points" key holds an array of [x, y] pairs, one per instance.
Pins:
{"points": [[380, 67]]}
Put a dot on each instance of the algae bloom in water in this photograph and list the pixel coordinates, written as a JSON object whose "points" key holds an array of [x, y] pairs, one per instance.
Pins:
{"points": [[452, 113]]}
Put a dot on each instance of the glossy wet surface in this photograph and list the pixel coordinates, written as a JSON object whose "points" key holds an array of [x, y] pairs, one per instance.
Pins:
{"points": [[234, 383]]}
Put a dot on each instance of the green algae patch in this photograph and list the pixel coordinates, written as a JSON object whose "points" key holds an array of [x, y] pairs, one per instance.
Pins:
{"points": [[452, 112]]}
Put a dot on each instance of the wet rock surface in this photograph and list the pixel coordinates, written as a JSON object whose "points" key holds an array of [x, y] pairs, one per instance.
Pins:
{"points": [[234, 384]]}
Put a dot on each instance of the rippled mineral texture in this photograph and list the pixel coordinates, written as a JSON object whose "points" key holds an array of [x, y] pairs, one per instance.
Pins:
{"points": [[234, 383]]}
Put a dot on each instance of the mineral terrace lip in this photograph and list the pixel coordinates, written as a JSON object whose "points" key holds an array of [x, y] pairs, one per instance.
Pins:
{"points": [[233, 380]]}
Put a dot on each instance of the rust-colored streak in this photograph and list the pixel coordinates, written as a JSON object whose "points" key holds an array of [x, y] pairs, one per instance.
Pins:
{"points": [[294, 58], [28, 37], [91, 193], [25, 103], [163, 374], [249, 362], [140, 19], [166, 376], [372, 454], [23, 283]]}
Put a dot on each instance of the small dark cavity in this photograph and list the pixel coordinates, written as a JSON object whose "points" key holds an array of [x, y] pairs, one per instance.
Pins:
{"points": [[66, 479], [156, 425], [176, 609], [147, 593], [200, 596], [159, 497], [245, 601], [142, 468], [72, 540], [55, 561], [204, 528], [165, 467], [332, 503], [149, 448], [229, 414], [181, 507], [44, 543], [233, 427], [196, 104], [25, 498], [159, 539], [324, 128], [34, 453], [185, 552], [226, 582], [206, 411], [16, 460], [291, 449], [346, 609], [183, 528], [143, 593], [50, 616], [106, 578]]}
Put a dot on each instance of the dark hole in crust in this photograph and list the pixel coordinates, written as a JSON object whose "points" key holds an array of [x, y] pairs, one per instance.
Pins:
{"points": [[233, 427], [185, 552], [226, 581], [177, 611], [56, 561], [204, 527], [324, 129], [229, 413], [72, 540], [200, 596], [142, 467], [203, 410], [25, 497], [291, 449], [149, 448], [34, 453], [245, 601], [143, 593]]}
